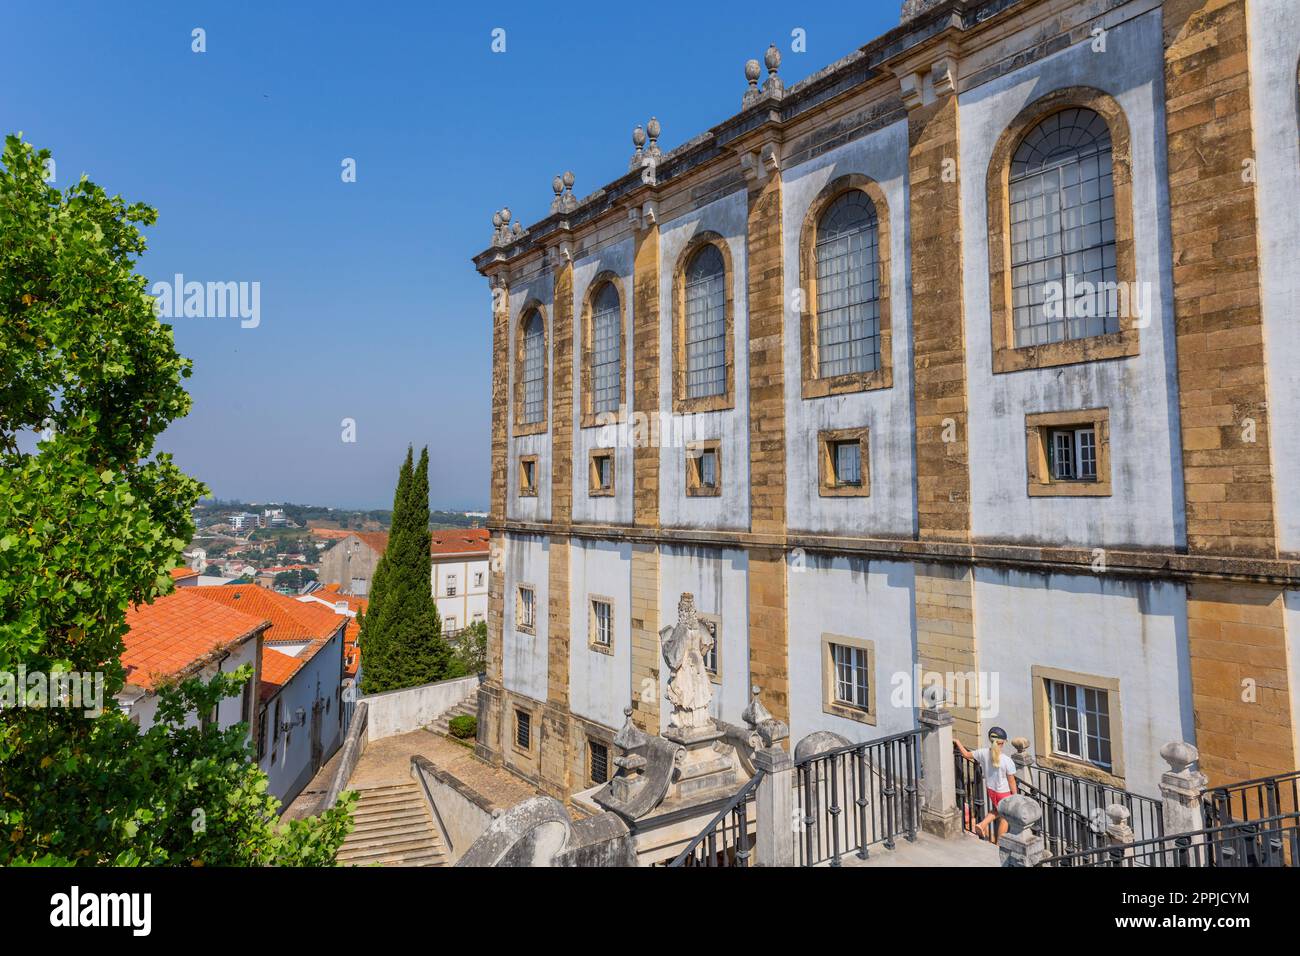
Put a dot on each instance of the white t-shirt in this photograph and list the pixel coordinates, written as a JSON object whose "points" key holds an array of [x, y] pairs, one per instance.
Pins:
{"points": [[995, 778]]}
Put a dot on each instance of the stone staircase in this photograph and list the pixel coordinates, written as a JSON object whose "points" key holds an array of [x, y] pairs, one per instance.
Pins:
{"points": [[393, 828], [467, 708]]}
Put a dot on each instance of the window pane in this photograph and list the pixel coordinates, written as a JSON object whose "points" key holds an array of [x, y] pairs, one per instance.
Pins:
{"points": [[848, 463], [848, 287], [1062, 455], [706, 372], [533, 372], [1062, 226], [709, 469], [606, 328], [1086, 439]]}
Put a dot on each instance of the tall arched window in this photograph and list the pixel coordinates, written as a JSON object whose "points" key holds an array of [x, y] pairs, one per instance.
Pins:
{"points": [[1062, 209], [534, 371], [606, 350], [848, 287], [706, 353]]}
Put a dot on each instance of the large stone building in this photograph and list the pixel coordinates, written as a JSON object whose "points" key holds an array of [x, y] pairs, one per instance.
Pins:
{"points": [[971, 356]]}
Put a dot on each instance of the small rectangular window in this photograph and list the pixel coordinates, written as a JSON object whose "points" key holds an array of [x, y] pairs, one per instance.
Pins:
{"points": [[450, 624], [1069, 453], [1080, 723], [598, 759], [478, 579], [601, 625], [528, 476], [848, 678], [711, 656], [601, 472], [525, 609], [703, 468], [523, 730], [451, 585], [842, 463]]}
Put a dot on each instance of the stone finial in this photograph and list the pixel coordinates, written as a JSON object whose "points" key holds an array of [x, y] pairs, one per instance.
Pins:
{"points": [[752, 94], [638, 140], [773, 86], [564, 200], [1020, 812], [1118, 831], [652, 130], [933, 697], [1179, 755], [517, 230], [760, 720], [755, 713]]}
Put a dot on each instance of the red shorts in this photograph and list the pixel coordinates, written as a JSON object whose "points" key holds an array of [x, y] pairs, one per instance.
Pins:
{"points": [[995, 798]]}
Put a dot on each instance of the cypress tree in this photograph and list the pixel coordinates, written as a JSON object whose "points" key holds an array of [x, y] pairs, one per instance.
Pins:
{"points": [[371, 637], [412, 651]]}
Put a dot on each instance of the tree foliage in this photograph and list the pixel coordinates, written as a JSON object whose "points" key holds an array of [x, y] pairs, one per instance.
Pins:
{"points": [[401, 636], [91, 521]]}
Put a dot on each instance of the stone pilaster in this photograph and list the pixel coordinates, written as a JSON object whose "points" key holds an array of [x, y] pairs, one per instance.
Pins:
{"points": [[945, 640], [768, 612], [1217, 315], [938, 324], [645, 373], [1236, 637], [645, 637]]}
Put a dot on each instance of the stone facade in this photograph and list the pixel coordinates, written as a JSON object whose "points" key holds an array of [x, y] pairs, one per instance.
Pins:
{"points": [[1164, 595]]}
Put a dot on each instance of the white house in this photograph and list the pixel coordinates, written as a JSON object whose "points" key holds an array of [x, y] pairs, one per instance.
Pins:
{"points": [[459, 576]]}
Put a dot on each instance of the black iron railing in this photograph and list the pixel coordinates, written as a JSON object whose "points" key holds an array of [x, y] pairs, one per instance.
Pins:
{"points": [[1252, 799], [726, 841], [1090, 798], [1267, 842], [852, 798], [1071, 821]]}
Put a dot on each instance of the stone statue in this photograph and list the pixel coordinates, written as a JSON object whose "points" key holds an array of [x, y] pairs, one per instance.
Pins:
{"points": [[684, 648]]}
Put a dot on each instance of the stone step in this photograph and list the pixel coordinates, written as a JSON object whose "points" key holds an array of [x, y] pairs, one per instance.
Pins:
{"points": [[383, 831], [392, 827], [413, 812], [415, 859], [393, 853], [397, 842]]}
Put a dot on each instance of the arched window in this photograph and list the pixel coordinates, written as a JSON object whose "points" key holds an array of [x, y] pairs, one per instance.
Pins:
{"points": [[1062, 219], [848, 287], [706, 353], [606, 350], [534, 370]]}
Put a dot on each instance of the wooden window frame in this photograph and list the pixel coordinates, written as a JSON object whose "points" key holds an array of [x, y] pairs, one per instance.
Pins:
{"points": [[838, 708], [812, 385], [695, 452], [590, 418], [1044, 746], [520, 626], [527, 490], [827, 487], [521, 427], [1113, 345], [592, 643], [705, 403], [594, 490], [1038, 429]]}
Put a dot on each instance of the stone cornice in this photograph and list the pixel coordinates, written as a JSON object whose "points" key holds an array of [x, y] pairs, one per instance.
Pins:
{"points": [[1119, 562]]}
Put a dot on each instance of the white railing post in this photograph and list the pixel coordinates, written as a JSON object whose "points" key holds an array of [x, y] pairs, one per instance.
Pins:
{"points": [[938, 772], [774, 807], [1020, 846]]}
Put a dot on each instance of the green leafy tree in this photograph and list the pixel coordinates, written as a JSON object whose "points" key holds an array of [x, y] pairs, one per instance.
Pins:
{"points": [[402, 619], [91, 521]]}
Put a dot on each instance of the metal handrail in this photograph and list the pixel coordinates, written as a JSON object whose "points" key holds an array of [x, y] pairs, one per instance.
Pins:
{"points": [[1246, 800], [1269, 842], [742, 836]]}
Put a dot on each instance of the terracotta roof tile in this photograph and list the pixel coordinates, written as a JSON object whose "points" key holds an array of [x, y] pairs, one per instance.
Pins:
{"points": [[178, 631]]}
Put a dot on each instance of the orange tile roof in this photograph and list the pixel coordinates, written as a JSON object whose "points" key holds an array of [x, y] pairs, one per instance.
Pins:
{"points": [[179, 631], [377, 540], [334, 533], [330, 594], [277, 668], [459, 541], [291, 620], [180, 574]]}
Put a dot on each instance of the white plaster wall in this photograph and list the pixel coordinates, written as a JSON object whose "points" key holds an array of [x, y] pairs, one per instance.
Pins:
{"points": [[600, 685], [469, 598], [728, 217], [616, 258], [853, 597], [1292, 619], [1146, 507], [891, 507], [318, 679], [1274, 36], [541, 289], [523, 662], [229, 711], [401, 711], [719, 579], [1107, 627]]}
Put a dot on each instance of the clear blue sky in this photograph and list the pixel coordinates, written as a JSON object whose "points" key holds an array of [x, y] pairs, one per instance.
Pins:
{"points": [[370, 307]]}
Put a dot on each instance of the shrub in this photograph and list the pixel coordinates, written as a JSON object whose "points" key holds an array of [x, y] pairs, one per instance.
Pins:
{"points": [[465, 726]]}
